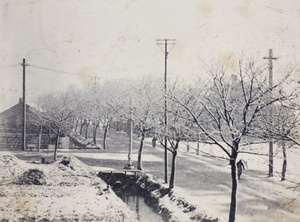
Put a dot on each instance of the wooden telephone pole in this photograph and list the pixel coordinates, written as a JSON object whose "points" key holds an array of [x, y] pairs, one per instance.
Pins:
{"points": [[24, 107], [130, 166], [165, 42], [270, 58]]}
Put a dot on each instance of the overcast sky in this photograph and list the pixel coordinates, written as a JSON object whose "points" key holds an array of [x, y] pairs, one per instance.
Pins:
{"points": [[114, 39]]}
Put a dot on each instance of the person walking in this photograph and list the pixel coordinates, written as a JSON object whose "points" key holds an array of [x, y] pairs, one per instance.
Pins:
{"points": [[240, 167]]}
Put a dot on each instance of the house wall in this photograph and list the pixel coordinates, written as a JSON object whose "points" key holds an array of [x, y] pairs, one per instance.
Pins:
{"points": [[11, 128], [13, 141]]}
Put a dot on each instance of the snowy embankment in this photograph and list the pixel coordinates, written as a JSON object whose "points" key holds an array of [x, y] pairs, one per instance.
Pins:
{"points": [[173, 204], [66, 190], [81, 142]]}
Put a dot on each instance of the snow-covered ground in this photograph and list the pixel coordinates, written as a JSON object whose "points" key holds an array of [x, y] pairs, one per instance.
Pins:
{"points": [[205, 181], [258, 160], [260, 198], [64, 191]]}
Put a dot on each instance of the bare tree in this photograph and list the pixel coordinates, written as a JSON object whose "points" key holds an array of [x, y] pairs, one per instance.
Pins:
{"points": [[80, 106], [111, 94], [88, 111], [146, 101], [58, 110], [146, 97], [95, 118], [228, 110], [35, 116], [179, 124], [95, 107], [289, 135], [283, 129]]}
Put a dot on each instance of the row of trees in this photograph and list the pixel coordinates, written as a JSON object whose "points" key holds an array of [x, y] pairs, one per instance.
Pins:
{"points": [[226, 109]]}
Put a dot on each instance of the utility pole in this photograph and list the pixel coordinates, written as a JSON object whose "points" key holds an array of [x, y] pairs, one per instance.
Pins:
{"points": [[165, 42], [95, 81], [24, 107], [270, 58], [130, 166]]}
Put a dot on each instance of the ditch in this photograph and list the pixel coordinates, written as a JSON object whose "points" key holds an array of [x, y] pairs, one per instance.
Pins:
{"points": [[134, 196]]}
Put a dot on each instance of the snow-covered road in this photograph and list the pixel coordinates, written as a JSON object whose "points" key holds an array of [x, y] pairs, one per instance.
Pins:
{"points": [[206, 182]]}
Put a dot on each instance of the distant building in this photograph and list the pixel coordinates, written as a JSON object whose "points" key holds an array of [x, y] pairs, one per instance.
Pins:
{"points": [[11, 127]]}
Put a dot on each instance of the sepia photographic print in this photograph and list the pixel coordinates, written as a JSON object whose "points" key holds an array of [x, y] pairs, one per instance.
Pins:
{"points": [[149, 110]]}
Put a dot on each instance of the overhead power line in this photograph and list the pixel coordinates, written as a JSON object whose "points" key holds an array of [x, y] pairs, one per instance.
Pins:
{"points": [[56, 70], [9, 66], [77, 74]]}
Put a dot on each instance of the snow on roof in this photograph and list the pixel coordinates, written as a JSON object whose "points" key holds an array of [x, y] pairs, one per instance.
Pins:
{"points": [[36, 107]]}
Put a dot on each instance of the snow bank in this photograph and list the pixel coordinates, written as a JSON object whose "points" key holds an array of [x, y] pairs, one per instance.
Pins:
{"points": [[171, 204], [66, 190], [81, 142]]}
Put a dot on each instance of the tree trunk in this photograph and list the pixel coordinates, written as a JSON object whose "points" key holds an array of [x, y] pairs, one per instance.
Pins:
{"points": [[94, 126], [56, 144], [234, 153], [118, 126], [284, 162], [71, 122], [49, 132], [40, 138], [198, 144], [95, 133], [173, 169], [81, 127], [141, 130], [166, 159], [104, 137], [139, 167], [271, 160], [76, 124], [87, 129]]}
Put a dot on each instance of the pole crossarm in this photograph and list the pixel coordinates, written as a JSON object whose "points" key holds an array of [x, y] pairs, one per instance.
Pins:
{"points": [[165, 42], [270, 57]]}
